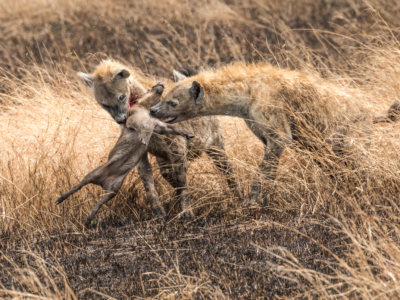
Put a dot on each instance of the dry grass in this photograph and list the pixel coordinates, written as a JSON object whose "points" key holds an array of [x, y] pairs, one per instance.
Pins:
{"points": [[320, 237]]}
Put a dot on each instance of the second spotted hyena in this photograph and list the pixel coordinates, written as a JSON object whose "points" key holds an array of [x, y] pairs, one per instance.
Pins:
{"points": [[115, 87], [281, 107]]}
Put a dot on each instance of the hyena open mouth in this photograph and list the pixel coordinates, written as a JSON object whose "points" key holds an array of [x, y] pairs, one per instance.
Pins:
{"points": [[169, 120]]}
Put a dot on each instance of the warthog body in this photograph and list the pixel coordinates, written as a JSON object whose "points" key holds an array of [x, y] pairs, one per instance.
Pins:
{"points": [[281, 107], [127, 152], [114, 87]]}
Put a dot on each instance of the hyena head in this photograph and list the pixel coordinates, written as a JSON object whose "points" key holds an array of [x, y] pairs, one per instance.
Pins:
{"points": [[113, 88], [181, 103]]}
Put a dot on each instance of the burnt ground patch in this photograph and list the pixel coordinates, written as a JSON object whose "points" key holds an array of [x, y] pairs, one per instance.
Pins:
{"points": [[238, 255]]}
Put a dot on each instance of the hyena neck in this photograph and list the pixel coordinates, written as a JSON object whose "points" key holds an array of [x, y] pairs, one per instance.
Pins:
{"points": [[230, 105]]}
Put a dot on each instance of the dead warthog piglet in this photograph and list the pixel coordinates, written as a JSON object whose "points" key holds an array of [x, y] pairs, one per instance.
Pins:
{"points": [[127, 152]]}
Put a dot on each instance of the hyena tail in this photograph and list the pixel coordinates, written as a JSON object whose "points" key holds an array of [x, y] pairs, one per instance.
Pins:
{"points": [[392, 115]]}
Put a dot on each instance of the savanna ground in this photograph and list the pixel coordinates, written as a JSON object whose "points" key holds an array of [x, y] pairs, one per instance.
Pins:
{"points": [[323, 235]]}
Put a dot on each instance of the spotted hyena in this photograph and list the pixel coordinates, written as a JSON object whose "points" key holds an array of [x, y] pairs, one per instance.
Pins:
{"points": [[281, 107]]}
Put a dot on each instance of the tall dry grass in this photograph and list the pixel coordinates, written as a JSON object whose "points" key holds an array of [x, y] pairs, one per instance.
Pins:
{"points": [[53, 133]]}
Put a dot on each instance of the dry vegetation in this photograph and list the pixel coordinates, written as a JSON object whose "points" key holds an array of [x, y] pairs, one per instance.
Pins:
{"points": [[322, 236]]}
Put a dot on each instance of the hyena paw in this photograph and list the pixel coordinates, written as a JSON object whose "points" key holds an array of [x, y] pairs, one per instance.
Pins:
{"points": [[159, 212], [265, 200], [254, 197], [187, 214], [252, 200]]}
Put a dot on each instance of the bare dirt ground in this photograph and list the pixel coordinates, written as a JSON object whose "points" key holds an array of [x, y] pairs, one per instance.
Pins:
{"points": [[230, 253]]}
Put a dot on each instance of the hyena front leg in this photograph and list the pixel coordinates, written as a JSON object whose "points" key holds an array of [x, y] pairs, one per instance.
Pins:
{"points": [[181, 185], [146, 174], [166, 170], [221, 161], [174, 172], [267, 169], [168, 173], [275, 137]]}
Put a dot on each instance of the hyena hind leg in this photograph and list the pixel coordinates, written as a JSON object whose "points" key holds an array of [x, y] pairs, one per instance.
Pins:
{"points": [[267, 168], [221, 161]]}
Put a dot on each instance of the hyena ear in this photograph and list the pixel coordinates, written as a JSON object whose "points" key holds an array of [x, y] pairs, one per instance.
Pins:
{"points": [[87, 78], [178, 76], [196, 92], [120, 74]]}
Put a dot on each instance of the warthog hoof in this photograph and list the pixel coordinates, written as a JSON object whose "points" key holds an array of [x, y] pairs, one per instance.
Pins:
{"points": [[60, 200], [87, 223]]}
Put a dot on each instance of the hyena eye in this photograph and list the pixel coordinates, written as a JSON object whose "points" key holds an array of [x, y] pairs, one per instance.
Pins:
{"points": [[121, 98], [172, 104]]}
